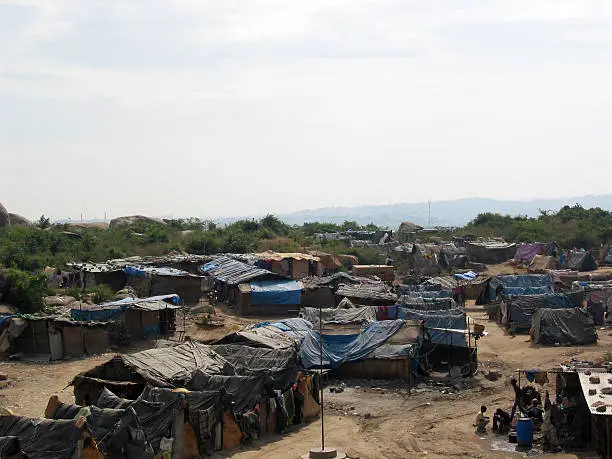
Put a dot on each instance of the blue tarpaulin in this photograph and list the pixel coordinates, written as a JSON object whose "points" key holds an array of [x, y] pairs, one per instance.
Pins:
{"points": [[339, 349], [470, 275], [276, 292]]}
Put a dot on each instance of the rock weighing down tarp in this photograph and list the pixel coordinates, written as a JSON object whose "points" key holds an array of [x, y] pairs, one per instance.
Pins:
{"points": [[275, 292], [340, 349], [566, 327]]}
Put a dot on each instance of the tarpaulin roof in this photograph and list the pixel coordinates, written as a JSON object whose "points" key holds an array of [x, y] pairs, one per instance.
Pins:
{"points": [[363, 315], [470, 275], [580, 261], [427, 304], [276, 292], [519, 310], [363, 291], [526, 252], [112, 310], [339, 349], [523, 284], [43, 438], [263, 335], [565, 327], [232, 271]]}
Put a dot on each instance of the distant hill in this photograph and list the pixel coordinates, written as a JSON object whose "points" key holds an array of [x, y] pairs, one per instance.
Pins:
{"points": [[443, 213]]}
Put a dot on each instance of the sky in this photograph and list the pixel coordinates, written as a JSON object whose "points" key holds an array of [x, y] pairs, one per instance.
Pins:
{"points": [[192, 108]]}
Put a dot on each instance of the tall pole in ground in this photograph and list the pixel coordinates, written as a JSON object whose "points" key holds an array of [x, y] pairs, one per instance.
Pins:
{"points": [[321, 373]]}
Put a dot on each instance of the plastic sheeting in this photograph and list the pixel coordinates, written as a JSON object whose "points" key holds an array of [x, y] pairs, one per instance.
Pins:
{"points": [[566, 327], [276, 292], [363, 315], [339, 349], [526, 281], [451, 319], [518, 311], [470, 275], [580, 261], [42, 438]]}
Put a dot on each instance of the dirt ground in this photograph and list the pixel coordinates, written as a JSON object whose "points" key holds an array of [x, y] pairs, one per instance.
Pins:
{"points": [[373, 419]]}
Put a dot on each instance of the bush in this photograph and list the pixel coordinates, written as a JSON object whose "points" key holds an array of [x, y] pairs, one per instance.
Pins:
{"points": [[25, 291], [100, 293]]}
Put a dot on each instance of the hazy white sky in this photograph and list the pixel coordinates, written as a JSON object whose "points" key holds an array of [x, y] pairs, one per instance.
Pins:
{"points": [[216, 108]]}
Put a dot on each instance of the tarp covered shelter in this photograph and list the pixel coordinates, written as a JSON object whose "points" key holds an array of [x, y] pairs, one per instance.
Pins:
{"points": [[275, 292], [526, 252], [453, 319], [541, 263], [578, 260], [490, 252], [522, 284], [43, 438], [566, 327], [363, 315], [516, 312], [343, 348], [190, 365]]}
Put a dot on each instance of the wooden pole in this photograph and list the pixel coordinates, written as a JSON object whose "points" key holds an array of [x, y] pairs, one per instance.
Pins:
{"points": [[178, 431]]}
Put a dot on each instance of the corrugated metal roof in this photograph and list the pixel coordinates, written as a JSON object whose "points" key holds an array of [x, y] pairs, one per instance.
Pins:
{"points": [[595, 383], [233, 272]]}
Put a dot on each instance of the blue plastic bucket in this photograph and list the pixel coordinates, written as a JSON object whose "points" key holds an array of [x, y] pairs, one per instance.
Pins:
{"points": [[524, 432]]}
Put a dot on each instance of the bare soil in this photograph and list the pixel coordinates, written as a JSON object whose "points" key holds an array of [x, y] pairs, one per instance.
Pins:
{"points": [[372, 419]]}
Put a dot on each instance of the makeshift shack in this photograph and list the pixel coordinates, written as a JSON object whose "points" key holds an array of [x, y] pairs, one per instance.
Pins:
{"points": [[490, 252], [515, 312], [154, 281], [228, 273], [281, 296], [383, 272], [366, 294], [92, 274], [53, 336], [565, 327], [235, 392], [526, 252], [425, 259], [579, 260], [319, 291], [542, 263], [47, 439], [294, 265], [370, 352], [142, 316], [522, 284]]}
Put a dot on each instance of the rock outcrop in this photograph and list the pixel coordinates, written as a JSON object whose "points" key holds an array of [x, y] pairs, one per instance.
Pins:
{"points": [[19, 220], [126, 222], [5, 219]]}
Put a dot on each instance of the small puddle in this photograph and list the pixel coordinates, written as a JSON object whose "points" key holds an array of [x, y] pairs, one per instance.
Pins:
{"points": [[502, 444]]}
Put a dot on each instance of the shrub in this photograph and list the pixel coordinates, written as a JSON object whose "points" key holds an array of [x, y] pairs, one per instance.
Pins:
{"points": [[25, 291], [100, 293]]}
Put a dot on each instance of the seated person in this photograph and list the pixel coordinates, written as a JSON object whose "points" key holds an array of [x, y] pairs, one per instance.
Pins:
{"points": [[501, 421], [481, 420], [535, 413]]}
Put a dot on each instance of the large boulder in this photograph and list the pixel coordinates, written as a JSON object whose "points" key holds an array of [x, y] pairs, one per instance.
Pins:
{"points": [[19, 220], [5, 219], [126, 222], [90, 225]]}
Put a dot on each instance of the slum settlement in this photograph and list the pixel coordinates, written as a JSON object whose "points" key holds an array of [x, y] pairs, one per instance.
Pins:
{"points": [[307, 317]]}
